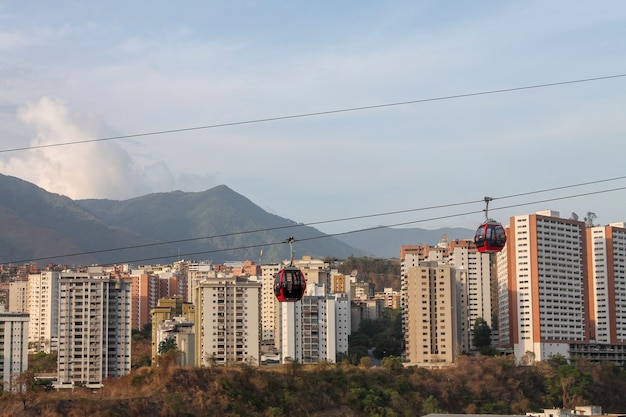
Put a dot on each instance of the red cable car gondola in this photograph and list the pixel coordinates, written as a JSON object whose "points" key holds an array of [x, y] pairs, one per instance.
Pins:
{"points": [[490, 236], [289, 282]]}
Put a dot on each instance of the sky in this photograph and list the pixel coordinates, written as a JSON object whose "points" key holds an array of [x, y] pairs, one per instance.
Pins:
{"points": [[396, 113]]}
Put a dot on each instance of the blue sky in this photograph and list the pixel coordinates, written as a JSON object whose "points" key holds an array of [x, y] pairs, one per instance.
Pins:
{"points": [[78, 70]]}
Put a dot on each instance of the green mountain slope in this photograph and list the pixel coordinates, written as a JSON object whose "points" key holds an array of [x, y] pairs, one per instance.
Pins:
{"points": [[217, 225], [47, 227]]}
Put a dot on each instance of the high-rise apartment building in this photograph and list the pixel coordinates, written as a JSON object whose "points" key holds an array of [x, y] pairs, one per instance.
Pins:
{"points": [[316, 328], [43, 298], [269, 306], [472, 272], [430, 314], [476, 279], [227, 321], [606, 265], [147, 288], [18, 297], [544, 274], [94, 328], [193, 273], [13, 347]]}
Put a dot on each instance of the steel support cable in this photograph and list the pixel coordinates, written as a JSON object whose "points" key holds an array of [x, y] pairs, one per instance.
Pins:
{"points": [[369, 228]]}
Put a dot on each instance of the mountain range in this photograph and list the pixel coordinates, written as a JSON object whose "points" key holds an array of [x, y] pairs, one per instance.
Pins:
{"points": [[217, 224]]}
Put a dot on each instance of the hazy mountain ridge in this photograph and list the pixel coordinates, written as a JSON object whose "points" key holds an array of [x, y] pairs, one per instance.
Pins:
{"points": [[37, 224], [217, 224], [385, 242]]}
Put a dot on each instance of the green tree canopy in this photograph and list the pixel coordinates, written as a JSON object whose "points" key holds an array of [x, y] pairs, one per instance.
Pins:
{"points": [[567, 383], [167, 345], [482, 334]]}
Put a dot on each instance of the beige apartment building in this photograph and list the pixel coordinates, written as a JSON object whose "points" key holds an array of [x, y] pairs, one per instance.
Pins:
{"points": [[430, 317], [227, 323], [269, 307], [43, 304], [18, 297], [473, 277]]}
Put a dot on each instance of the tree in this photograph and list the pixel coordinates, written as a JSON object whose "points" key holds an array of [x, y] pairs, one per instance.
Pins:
{"points": [[168, 352], [386, 346], [392, 362], [567, 383], [528, 358], [589, 218], [43, 362], [23, 386], [365, 362], [482, 334], [385, 333], [167, 345]]}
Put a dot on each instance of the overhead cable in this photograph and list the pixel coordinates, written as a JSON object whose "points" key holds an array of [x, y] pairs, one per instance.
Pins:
{"points": [[340, 220], [312, 114]]}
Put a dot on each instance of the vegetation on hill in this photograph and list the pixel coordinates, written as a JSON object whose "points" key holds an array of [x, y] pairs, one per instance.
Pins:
{"points": [[489, 385], [141, 346], [216, 225], [382, 336], [383, 273]]}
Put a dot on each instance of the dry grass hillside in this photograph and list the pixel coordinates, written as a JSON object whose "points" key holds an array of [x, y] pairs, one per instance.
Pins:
{"points": [[476, 385]]}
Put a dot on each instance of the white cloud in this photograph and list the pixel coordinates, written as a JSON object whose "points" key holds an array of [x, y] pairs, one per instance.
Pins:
{"points": [[100, 169]]}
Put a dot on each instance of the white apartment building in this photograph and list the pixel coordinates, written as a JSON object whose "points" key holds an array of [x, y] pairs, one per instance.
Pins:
{"points": [[474, 275], [94, 328], [227, 321], [546, 280], [13, 346], [316, 328], [43, 298], [182, 331], [607, 275], [18, 297]]}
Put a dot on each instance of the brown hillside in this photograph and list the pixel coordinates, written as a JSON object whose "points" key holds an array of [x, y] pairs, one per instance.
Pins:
{"points": [[476, 385]]}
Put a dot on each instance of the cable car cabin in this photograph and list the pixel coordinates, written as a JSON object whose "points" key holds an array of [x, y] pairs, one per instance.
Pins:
{"points": [[289, 284], [490, 237]]}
